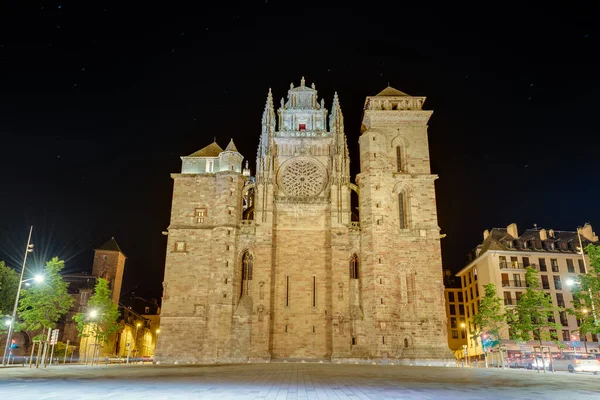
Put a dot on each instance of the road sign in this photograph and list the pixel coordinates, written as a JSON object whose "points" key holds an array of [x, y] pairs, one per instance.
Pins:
{"points": [[54, 336]]}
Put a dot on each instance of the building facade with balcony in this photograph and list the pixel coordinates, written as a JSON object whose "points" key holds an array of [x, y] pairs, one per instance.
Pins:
{"points": [[455, 311], [502, 259]]}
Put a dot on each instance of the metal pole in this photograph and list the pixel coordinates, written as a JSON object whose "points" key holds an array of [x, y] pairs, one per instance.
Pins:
{"points": [[66, 352], [14, 313], [586, 271]]}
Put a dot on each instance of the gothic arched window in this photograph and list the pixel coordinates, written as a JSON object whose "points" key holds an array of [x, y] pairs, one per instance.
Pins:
{"points": [[398, 159], [247, 264], [402, 211], [354, 273]]}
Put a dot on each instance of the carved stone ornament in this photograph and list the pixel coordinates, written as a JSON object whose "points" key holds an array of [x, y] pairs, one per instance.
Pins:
{"points": [[303, 178]]}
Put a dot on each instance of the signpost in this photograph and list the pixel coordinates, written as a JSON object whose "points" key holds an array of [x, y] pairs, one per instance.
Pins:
{"points": [[53, 341]]}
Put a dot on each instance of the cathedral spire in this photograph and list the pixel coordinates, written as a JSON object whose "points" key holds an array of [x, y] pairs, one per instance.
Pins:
{"points": [[269, 103], [336, 117]]}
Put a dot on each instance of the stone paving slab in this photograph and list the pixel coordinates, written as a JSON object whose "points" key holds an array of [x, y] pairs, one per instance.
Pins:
{"points": [[290, 381]]}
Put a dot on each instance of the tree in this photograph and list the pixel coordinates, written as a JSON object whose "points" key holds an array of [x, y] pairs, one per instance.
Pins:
{"points": [[61, 347], [489, 320], [9, 283], [42, 305], [586, 294], [532, 318], [100, 320]]}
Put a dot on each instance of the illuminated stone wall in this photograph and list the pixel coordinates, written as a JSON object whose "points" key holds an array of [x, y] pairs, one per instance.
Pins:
{"points": [[303, 300]]}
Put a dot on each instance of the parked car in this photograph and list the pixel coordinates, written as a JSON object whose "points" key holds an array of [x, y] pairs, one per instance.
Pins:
{"points": [[536, 363], [577, 363]]}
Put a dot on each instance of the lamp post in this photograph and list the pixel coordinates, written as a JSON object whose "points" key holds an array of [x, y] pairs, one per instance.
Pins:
{"points": [[156, 341], [582, 253], [28, 249], [466, 346], [93, 314], [136, 352]]}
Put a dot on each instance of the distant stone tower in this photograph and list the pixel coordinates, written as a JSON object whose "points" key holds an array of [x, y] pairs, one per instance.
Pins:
{"points": [[274, 267], [109, 263]]}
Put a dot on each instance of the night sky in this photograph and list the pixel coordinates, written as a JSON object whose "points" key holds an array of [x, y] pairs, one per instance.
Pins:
{"points": [[98, 100]]}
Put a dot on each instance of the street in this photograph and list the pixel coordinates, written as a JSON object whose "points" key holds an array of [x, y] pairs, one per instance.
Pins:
{"points": [[290, 381]]}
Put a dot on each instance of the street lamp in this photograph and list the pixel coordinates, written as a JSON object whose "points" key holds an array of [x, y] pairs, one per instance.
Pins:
{"points": [[137, 326], [39, 278], [91, 316], [571, 282], [466, 346], [582, 253], [28, 249]]}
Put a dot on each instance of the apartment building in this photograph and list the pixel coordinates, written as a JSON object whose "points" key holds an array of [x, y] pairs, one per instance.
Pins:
{"points": [[501, 259]]}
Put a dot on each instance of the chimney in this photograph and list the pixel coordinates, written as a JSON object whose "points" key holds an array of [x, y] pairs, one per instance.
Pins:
{"points": [[486, 233], [543, 234], [588, 233], [512, 230]]}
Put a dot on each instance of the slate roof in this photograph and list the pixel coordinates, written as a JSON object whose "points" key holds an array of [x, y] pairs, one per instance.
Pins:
{"points": [[111, 245], [212, 150], [530, 241], [231, 147]]}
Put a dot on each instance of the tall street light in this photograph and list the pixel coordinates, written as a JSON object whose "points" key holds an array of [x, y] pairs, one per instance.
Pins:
{"points": [[92, 316], [466, 346], [582, 253], [137, 326], [28, 249]]}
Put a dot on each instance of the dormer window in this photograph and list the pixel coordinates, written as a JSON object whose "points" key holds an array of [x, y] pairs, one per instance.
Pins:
{"points": [[302, 127]]}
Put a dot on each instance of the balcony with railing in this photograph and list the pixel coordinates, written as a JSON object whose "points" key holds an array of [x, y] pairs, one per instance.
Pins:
{"points": [[511, 265], [517, 283]]}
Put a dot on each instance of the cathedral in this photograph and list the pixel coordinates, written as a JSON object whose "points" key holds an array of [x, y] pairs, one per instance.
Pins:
{"points": [[299, 261]]}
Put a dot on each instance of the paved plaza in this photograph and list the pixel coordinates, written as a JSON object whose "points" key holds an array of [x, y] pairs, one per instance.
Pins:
{"points": [[290, 381]]}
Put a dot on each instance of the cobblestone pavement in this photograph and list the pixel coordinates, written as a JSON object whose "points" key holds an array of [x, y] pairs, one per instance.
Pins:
{"points": [[290, 381]]}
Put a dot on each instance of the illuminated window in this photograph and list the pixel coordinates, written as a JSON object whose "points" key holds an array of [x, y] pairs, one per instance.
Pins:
{"points": [[200, 215]]}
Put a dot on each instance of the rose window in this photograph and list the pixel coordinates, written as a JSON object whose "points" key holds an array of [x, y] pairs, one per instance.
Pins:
{"points": [[302, 179]]}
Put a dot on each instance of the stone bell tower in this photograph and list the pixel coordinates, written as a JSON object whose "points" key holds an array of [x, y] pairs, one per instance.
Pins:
{"points": [[400, 239]]}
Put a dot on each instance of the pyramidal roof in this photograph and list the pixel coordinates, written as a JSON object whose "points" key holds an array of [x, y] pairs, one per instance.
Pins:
{"points": [[111, 245], [231, 147], [212, 150], [390, 91]]}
